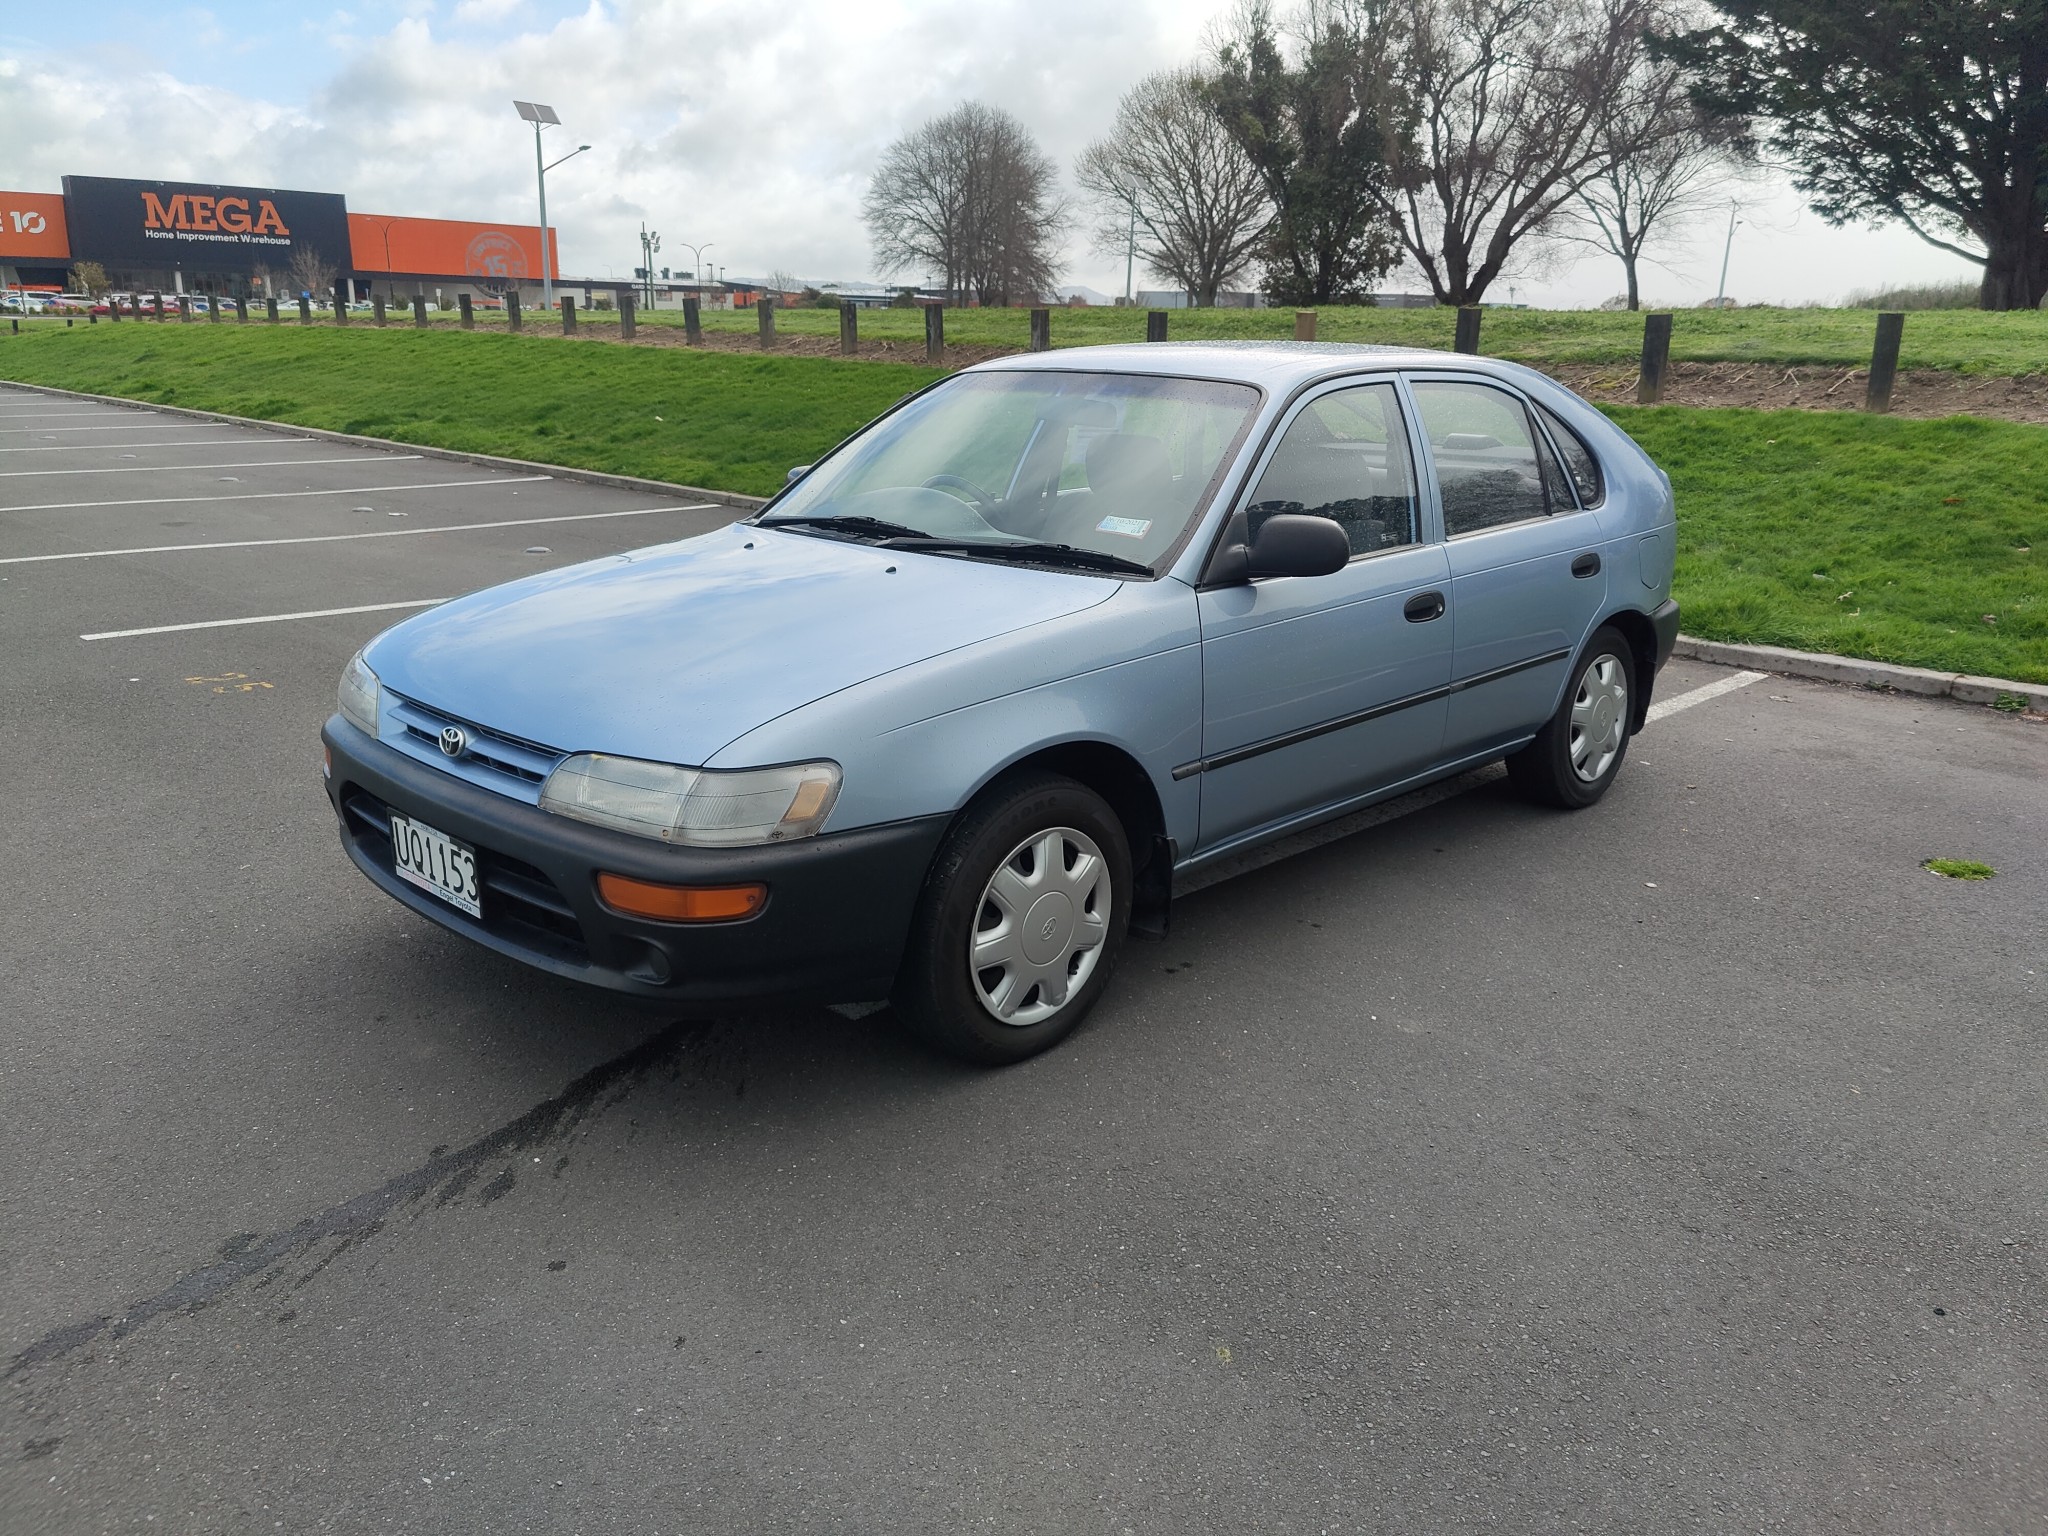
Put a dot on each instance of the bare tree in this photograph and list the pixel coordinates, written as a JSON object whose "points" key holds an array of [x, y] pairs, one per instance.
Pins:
{"points": [[1171, 177], [310, 271], [971, 196], [1511, 99], [1663, 160], [267, 275]]}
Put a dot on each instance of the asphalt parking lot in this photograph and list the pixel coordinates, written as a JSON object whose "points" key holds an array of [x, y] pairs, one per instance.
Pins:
{"points": [[1677, 1165]]}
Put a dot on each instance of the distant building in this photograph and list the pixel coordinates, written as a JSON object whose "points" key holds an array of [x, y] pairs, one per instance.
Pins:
{"points": [[1174, 298]]}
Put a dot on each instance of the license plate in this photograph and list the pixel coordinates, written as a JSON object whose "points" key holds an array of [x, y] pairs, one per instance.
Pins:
{"points": [[436, 863]]}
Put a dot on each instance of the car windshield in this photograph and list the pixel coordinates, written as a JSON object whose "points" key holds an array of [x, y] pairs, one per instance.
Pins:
{"points": [[1111, 463]]}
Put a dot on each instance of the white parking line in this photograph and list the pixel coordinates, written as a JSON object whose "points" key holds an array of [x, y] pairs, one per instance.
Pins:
{"points": [[80, 415], [346, 490], [261, 618], [128, 426], [162, 469], [1671, 706], [336, 538], [190, 442]]}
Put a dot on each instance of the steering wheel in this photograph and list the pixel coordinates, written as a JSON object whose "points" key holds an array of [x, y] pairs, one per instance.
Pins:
{"points": [[982, 501]]}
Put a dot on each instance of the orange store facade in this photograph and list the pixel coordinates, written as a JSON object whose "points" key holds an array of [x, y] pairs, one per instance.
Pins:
{"points": [[191, 237]]}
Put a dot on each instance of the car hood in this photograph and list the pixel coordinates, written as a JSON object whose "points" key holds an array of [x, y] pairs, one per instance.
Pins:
{"points": [[670, 653]]}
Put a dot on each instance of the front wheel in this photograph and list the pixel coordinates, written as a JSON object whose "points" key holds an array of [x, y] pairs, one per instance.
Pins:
{"points": [[1576, 755], [1021, 921]]}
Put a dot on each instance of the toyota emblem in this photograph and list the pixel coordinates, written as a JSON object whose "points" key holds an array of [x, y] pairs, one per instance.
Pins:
{"points": [[454, 740]]}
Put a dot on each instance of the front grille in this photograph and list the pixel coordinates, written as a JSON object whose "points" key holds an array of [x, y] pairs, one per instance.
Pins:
{"points": [[497, 761], [520, 903]]}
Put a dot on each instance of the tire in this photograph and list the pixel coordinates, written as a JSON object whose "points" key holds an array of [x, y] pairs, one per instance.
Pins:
{"points": [[991, 874], [1576, 755]]}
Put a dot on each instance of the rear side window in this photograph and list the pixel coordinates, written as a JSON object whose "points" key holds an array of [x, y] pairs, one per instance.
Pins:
{"points": [[1487, 469], [1345, 457], [1579, 462]]}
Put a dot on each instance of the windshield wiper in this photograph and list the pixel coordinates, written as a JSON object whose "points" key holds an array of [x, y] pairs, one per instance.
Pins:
{"points": [[1035, 553], [860, 527]]}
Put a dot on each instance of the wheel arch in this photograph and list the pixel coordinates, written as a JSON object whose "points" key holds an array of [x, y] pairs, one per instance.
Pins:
{"points": [[1641, 635]]}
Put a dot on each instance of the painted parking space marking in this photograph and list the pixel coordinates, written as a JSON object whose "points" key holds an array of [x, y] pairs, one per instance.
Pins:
{"points": [[337, 538], [191, 442], [165, 469], [126, 426], [75, 415], [346, 490], [1287, 847], [1671, 706], [263, 618]]}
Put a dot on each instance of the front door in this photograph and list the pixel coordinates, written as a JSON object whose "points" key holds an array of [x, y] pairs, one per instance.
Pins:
{"points": [[1319, 689]]}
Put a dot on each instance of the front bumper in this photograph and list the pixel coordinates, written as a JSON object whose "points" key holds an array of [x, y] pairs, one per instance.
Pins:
{"points": [[838, 911]]}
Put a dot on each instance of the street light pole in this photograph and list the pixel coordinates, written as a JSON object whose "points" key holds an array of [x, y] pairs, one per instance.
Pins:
{"points": [[1721, 294], [696, 258], [1130, 250], [649, 244], [542, 116]]}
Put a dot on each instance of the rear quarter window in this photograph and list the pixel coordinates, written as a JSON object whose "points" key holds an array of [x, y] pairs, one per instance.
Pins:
{"points": [[1579, 462]]}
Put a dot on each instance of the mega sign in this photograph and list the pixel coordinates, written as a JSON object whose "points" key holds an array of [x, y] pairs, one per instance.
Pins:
{"points": [[160, 224]]}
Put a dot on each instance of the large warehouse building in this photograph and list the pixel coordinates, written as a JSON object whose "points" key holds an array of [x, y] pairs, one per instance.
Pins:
{"points": [[252, 242]]}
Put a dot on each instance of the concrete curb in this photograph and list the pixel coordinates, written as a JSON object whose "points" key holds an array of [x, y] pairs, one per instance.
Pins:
{"points": [[1865, 674], [453, 455]]}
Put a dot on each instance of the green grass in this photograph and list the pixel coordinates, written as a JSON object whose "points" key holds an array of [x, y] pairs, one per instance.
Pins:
{"points": [[1878, 537], [721, 420], [1918, 542], [1959, 869], [1968, 341]]}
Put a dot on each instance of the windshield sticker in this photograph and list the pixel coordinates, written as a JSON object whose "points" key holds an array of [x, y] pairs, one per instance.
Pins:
{"points": [[1125, 527]]}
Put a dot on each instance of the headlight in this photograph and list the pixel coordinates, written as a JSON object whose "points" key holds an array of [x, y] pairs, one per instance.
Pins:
{"points": [[702, 807], [358, 695]]}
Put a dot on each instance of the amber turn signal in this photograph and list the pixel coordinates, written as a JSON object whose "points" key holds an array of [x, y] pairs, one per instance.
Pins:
{"points": [[681, 903]]}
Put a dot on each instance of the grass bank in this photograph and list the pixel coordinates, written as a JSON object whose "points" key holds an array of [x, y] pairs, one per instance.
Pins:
{"points": [[1918, 542], [727, 421]]}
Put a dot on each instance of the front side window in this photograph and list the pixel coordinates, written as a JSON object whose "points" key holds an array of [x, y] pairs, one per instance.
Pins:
{"points": [[1116, 464], [1487, 468], [1344, 457]]}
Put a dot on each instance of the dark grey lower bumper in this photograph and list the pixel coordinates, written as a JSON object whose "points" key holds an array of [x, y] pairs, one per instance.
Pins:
{"points": [[1664, 619], [833, 929]]}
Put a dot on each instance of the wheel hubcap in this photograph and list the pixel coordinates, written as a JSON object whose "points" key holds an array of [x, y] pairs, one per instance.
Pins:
{"points": [[1039, 928], [1599, 717]]}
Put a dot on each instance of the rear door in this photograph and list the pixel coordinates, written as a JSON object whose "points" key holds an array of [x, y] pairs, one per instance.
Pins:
{"points": [[1528, 579], [1318, 689]]}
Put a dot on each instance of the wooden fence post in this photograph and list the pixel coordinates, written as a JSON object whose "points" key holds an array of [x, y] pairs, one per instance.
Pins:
{"points": [[305, 309], [1304, 325], [693, 323], [764, 315], [213, 309], [1155, 325], [934, 333], [113, 307], [270, 309], [468, 309], [1884, 360], [184, 309], [377, 308], [628, 319], [156, 305], [512, 315], [241, 311], [1656, 354], [419, 311], [849, 329], [568, 315], [1468, 330], [1041, 330], [341, 298]]}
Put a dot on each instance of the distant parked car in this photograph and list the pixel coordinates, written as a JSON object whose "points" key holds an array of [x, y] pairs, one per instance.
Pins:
{"points": [[945, 721]]}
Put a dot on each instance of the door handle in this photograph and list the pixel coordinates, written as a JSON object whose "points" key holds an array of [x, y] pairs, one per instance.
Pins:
{"points": [[1586, 565], [1423, 607]]}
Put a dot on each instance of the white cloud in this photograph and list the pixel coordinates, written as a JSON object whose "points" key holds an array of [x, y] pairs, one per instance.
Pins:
{"points": [[751, 131]]}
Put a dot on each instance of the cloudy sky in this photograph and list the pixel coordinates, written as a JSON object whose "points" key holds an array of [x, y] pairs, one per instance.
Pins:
{"points": [[751, 127]]}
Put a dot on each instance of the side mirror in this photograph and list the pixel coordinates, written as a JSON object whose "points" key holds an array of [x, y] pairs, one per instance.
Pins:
{"points": [[796, 473], [1293, 544]]}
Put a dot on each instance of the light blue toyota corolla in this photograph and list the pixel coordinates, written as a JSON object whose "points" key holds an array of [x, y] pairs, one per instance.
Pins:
{"points": [[943, 722]]}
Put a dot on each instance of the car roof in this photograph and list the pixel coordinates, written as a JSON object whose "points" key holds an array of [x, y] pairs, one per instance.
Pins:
{"points": [[1273, 365]]}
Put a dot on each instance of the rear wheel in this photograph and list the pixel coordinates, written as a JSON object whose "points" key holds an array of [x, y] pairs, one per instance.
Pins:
{"points": [[1579, 750], [1021, 922]]}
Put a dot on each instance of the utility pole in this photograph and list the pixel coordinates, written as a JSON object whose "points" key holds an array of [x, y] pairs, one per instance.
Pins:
{"points": [[1721, 294], [1130, 250]]}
